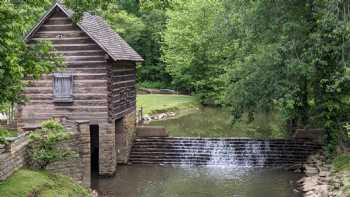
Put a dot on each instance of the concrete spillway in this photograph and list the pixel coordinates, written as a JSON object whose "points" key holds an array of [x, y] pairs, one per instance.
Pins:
{"points": [[220, 151]]}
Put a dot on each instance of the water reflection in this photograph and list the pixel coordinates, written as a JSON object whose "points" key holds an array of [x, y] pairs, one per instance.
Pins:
{"points": [[167, 181]]}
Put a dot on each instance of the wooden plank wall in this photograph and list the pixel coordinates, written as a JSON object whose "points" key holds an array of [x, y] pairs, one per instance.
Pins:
{"points": [[122, 76], [85, 60]]}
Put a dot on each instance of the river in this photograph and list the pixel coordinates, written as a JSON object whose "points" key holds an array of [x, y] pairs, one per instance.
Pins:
{"points": [[182, 181]]}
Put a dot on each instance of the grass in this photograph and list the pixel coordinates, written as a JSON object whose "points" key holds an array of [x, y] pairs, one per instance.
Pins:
{"points": [[159, 103], [40, 184]]}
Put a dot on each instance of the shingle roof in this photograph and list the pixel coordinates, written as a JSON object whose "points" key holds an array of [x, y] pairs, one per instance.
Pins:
{"points": [[102, 33]]}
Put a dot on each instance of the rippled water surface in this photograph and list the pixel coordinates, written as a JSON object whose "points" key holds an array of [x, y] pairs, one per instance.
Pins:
{"points": [[168, 181]]}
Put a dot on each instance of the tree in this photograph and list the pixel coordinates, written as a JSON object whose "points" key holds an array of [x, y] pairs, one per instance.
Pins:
{"points": [[292, 59], [17, 59], [189, 48]]}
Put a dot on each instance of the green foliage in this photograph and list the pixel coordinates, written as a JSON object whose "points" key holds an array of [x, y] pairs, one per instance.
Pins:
{"points": [[190, 49], [4, 133], [153, 84], [290, 57], [45, 144], [341, 163], [18, 60], [140, 23], [81, 6], [41, 184]]}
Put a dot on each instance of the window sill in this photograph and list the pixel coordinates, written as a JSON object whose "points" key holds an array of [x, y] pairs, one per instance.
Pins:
{"points": [[63, 100]]}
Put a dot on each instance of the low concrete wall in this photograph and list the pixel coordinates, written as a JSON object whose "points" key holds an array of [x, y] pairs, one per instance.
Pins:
{"points": [[13, 156], [151, 131]]}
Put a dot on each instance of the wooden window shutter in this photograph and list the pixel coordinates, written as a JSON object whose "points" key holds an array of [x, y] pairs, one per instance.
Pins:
{"points": [[63, 87]]}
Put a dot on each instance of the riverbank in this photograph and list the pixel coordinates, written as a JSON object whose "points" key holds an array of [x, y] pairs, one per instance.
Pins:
{"points": [[28, 183], [326, 180], [217, 122], [160, 103]]}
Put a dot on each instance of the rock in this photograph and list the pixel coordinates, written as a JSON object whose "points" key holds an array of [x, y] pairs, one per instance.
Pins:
{"points": [[310, 183], [310, 170], [323, 191], [171, 114], [147, 118], [94, 193]]}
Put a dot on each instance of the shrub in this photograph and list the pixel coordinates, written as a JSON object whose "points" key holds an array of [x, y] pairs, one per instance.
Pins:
{"points": [[44, 147], [4, 133]]}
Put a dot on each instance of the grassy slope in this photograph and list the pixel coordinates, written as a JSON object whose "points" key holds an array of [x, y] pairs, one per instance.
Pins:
{"points": [[158, 103], [341, 165], [33, 183]]}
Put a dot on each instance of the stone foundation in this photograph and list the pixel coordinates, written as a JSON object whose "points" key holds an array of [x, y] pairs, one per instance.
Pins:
{"points": [[14, 155], [107, 153], [77, 167], [125, 137]]}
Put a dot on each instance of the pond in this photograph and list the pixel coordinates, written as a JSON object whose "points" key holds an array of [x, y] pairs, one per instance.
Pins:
{"points": [[216, 122], [182, 181]]}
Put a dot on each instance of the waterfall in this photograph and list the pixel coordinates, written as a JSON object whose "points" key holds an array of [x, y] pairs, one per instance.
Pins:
{"points": [[233, 152]]}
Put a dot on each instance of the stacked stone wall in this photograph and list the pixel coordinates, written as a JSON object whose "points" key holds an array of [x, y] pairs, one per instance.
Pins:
{"points": [[77, 167], [13, 156]]}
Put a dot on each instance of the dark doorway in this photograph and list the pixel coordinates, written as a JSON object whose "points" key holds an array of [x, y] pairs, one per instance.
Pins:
{"points": [[94, 145], [119, 137]]}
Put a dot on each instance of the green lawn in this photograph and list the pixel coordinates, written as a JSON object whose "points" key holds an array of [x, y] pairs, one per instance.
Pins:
{"points": [[40, 184], [158, 103]]}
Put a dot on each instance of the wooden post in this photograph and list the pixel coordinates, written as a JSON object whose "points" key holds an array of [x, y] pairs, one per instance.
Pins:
{"points": [[141, 113]]}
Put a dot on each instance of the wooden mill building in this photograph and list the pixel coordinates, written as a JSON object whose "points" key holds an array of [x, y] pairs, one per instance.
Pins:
{"points": [[96, 85]]}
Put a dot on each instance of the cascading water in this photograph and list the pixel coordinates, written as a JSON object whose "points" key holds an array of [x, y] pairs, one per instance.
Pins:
{"points": [[220, 151], [221, 154]]}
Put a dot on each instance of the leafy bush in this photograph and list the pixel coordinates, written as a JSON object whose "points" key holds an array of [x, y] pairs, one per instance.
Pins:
{"points": [[4, 133], [44, 148]]}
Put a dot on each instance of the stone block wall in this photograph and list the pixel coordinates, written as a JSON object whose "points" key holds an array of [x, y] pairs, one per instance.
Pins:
{"points": [[125, 138], [107, 153], [13, 156], [77, 167]]}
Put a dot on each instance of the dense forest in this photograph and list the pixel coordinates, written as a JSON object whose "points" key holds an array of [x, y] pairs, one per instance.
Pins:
{"points": [[285, 56]]}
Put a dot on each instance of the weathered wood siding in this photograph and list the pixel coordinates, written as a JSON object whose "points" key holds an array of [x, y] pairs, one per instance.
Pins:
{"points": [[94, 96], [122, 86]]}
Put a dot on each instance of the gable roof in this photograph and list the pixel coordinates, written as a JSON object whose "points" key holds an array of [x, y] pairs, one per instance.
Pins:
{"points": [[98, 30]]}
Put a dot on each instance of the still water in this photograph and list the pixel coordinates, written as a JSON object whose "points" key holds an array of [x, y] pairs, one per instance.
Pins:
{"points": [[182, 181], [217, 122]]}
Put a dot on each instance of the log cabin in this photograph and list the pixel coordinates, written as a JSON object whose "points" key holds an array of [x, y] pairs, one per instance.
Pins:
{"points": [[96, 85]]}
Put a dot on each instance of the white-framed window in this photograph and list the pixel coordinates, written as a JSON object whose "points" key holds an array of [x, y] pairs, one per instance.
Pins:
{"points": [[63, 87]]}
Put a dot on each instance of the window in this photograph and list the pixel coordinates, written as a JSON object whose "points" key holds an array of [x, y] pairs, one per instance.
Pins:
{"points": [[63, 87]]}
